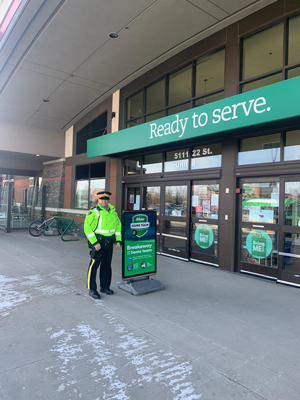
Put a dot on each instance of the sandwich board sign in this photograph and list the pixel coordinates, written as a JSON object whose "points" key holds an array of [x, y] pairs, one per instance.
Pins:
{"points": [[139, 251]]}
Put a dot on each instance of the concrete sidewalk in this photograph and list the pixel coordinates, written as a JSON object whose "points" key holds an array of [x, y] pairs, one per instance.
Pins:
{"points": [[210, 334]]}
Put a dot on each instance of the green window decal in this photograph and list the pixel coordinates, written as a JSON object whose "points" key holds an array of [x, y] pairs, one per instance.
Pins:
{"points": [[259, 244], [204, 236]]}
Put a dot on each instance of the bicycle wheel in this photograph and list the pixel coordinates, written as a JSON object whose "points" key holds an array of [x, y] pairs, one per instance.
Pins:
{"points": [[36, 228]]}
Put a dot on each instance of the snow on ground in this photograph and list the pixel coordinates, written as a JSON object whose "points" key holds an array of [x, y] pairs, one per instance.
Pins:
{"points": [[17, 290], [127, 361]]}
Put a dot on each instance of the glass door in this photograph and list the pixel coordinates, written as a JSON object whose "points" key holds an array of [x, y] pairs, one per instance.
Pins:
{"points": [[132, 198], [289, 254], [152, 201], [259, 226], [204, 222], [175, 219]]}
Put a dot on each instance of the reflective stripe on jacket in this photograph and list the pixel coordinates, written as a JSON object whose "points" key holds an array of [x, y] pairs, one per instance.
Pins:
{"points": [[102, 222]]}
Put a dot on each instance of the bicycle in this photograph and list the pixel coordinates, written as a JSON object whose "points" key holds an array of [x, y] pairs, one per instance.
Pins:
{"points": [[37, 227]]}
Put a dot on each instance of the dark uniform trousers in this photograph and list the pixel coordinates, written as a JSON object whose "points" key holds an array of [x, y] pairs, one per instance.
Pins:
{"points": [[100, 258]]}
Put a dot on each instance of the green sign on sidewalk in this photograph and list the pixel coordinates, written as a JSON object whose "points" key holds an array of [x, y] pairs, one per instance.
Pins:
{"points": [[139, 243]]}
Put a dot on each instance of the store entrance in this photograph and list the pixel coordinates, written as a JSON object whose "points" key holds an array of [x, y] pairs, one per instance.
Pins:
{"points": [[269, 228], [187, 217]]}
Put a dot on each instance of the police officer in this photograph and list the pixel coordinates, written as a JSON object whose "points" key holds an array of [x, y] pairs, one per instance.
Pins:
{"points": [[102, 228]]}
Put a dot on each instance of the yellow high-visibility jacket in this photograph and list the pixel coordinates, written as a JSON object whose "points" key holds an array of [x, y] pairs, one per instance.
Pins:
{"points": [[99, 221]]}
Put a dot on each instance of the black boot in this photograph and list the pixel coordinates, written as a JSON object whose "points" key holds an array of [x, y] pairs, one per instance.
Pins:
{"points": [[94, 294], [106, 291]]}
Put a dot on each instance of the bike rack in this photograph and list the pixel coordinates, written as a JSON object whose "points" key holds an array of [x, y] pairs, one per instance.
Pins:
{"points": [[62, 223]]}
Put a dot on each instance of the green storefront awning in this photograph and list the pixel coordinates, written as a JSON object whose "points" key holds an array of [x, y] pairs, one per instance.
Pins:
{"points": [[270, 103], [266, 202]]}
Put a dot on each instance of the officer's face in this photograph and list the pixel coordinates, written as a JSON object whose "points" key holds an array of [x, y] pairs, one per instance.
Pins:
{"points": [[103, 202]]}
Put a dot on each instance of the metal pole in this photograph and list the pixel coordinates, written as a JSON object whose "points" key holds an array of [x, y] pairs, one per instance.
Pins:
{"points": [[9, 201], [43, 201], [25, 197]]}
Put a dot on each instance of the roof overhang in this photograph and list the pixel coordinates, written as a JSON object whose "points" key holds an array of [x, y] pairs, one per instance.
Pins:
{"points": [[59, 50]]}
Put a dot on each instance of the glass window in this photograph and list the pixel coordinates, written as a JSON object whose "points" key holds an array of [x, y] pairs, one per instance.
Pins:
{"points": [[209, 156], [132, 166], [210, 73], [97, 170], [153, 163], [292, 146], [152, 198], [292, 204], [82, 172], [209, 99], [178, 109], [174, 244], [95, 186], [292, 246], [180, 86], [262, 82], [131, 124], [155, 116], [263, 52], [292, 73], [155, 97], [135, 106], [176, 201], [204, 239], [94, 129], [176, 228], [82, 194], [81, 140], [205, 201], [260, 202], [87, 188], [99, 123], [98, 126], [177, 160], [259, 149], [158, 246], [133, 198], [259, 247], [294, 42]]}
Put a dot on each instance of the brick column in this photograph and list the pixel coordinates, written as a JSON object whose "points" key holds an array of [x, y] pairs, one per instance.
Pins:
{"points": [[54, 180]]}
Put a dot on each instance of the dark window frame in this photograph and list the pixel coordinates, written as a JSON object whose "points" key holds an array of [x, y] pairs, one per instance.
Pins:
{"points": [[89, 179], [166, 76], [178, 148], [90, 133], [285, 66], [283, 133]]}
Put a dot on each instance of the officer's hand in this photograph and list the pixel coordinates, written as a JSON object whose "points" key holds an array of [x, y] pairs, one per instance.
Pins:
{"points": [[118, 246], [97, 246]]}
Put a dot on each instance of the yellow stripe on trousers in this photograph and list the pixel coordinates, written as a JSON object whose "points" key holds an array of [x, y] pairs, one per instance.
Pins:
{"points": [[89, 274]]}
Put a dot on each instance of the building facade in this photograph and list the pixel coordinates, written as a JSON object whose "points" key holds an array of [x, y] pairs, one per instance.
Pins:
{"points": [[210, 139]]}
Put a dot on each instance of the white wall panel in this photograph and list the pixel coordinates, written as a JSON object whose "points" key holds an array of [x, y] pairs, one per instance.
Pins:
{"points": [[210, 8], [80, 28], [31, 140], [232, 6], [68, 100], [150, 35], [28, 91]]}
